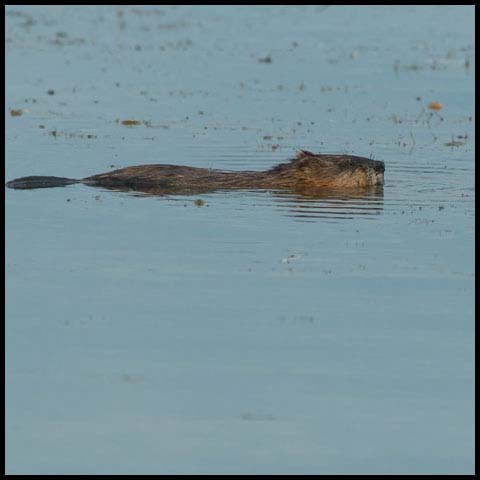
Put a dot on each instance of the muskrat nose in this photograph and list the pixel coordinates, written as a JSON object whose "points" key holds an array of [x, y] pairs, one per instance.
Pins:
{"points": [[379, 167]]}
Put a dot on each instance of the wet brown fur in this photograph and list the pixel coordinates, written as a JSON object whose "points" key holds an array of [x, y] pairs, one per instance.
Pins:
{"points": [[306, 172]]}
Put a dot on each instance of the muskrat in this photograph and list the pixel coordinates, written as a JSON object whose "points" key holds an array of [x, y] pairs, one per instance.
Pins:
{"points": [[306, 172]]}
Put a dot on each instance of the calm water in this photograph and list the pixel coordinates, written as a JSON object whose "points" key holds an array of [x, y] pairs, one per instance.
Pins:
{"points": [[262, 332]]}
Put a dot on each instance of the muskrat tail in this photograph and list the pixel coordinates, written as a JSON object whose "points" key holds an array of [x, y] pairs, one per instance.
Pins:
{"points": [[26, 183]]}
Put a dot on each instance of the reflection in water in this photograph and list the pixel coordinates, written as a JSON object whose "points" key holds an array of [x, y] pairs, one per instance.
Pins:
{"points": [[303, 205], [339, 204]]}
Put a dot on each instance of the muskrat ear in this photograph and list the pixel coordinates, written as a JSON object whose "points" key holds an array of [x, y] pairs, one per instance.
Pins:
{"points": [[304, 153]]}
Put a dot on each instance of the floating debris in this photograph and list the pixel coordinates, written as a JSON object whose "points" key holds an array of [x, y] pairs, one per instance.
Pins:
{"points": [[16, 112], [51, 92], [57, 133], [291, 258], [62, 39], [130, 123], [199, 202], [414, 67], [435, 106], [454, 143], [267, 59]]}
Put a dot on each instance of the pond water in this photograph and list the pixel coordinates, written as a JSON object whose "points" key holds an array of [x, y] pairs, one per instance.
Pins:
{"points": [[262, 332]]}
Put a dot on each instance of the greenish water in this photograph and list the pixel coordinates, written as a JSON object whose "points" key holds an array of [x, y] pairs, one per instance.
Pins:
{"points": [[261, 332]]}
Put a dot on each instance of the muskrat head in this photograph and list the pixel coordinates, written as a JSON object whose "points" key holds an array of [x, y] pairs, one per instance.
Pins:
{"points": [[336, 171]]}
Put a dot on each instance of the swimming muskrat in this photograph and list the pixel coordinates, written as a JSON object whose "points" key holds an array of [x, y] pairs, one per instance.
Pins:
{"points": [[306, 172]]}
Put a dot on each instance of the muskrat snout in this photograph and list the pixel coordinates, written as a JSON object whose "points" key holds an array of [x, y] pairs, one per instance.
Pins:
{"points": [[374, 172]]}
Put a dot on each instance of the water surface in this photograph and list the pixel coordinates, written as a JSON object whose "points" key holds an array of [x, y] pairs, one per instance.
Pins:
{"points": [[263, 332]]}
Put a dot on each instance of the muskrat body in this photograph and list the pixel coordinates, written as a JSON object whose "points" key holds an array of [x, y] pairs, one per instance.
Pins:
{"points": [[306, 172]]}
